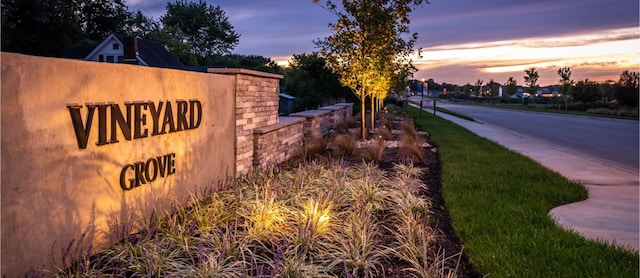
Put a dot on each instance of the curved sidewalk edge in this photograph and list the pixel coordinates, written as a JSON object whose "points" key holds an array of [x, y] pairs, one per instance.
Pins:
{"points": [[612, 211]]}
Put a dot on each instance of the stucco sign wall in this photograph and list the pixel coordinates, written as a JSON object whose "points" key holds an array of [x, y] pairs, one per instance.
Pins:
{"points": [[89, 148]]}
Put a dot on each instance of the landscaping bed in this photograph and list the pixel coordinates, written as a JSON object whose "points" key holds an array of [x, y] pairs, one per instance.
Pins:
{"points": [[336, 210]]}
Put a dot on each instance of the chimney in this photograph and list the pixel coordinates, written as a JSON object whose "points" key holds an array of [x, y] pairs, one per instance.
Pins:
{"points": [[130, 50]]}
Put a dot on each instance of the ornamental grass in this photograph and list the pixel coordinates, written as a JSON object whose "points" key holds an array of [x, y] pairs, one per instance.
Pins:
{"points": [[315, 220]]}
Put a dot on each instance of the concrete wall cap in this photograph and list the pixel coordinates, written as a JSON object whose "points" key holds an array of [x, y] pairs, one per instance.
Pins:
{"points": [[331, 107], [231, 71], [310, 113], [284, 122]]}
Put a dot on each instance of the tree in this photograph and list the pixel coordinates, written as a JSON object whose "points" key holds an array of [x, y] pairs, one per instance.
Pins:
{"points": [[478, 86], [312, 82], [99, 18], [587, 91], [511, 86], [494, 87], [566, 83], [400, 79], [34, 27], [531, 79], [467, 90], [140, 26], [627, 89], [456, 92], [253, 62], [49, 28], [195, 30], [367, 46], [608, 90]]}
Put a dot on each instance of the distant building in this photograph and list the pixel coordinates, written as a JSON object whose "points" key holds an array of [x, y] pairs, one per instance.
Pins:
{"points": [[548, 91], [285, 104], [120, 49], [117, 48]]}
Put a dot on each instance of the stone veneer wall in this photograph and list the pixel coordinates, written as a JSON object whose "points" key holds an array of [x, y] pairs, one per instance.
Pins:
{"points": [[316, 122], [257, 96], [319, 122], [347, 112], [263, 138], [339, 113], [277, 143]]}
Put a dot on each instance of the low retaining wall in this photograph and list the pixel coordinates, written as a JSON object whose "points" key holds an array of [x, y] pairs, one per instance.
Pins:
{"points": [[319, 122], [316, 122], [339, 113], [277, 143]]}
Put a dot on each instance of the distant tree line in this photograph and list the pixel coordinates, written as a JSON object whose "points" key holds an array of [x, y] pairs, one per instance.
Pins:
{"points": [[582, 95], [196, 33], [192, 31]]}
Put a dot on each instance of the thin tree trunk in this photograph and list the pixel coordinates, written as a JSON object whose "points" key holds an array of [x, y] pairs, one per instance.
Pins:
{"points": [[363, 110], [373, 113]]}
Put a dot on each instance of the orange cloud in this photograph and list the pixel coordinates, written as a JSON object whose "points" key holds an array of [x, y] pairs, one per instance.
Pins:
{"points": [[603, 55]]}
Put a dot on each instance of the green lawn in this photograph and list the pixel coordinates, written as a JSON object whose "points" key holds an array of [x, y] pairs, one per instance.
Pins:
{"points": [[499, 203]]}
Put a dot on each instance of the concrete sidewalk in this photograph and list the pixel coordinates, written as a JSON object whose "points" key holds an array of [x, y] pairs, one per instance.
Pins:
{"points": [[612, 211]]}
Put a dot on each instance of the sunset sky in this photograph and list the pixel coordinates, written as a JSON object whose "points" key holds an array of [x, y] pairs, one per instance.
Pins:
{"points": [[462, 40]]}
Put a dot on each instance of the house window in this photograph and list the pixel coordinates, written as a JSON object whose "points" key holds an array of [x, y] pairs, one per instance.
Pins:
{"points": [[100, 58], [116, 46], [109, 59]]}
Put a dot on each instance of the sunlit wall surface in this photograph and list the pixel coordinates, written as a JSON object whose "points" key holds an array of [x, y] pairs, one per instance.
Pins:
{"points": [[90, 148]]}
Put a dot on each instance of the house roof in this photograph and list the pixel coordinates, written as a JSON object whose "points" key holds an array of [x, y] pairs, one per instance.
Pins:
{"points": [[153, 54], [149, 53], [286, 96], [101, 44]]}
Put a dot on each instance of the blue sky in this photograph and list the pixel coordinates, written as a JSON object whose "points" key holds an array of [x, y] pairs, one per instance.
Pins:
{"points": [[462, 40]]}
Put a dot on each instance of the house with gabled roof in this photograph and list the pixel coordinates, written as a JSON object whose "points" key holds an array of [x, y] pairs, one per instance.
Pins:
{"points": [[117, 48]]}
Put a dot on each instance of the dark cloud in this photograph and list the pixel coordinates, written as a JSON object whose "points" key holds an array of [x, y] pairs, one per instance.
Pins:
{"points": [[445, 22], [281, 28], [442, 22]]}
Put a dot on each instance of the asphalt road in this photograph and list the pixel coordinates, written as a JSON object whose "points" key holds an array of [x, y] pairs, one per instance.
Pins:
{"points": [[611, 141]]}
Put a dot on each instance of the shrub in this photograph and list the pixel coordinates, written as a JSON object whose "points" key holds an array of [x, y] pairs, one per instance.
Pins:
{"points": [[411, 146], [384, 133], [345, 125], [372, 152], [314, 148], [343, 144], [621, 112], [408, 128]]}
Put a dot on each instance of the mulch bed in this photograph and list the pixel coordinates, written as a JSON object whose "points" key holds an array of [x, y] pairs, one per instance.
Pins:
{"points": [[449, 240]]}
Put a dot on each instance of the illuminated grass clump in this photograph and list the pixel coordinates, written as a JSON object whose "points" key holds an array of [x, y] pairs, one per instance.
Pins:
{"points": [[316, 220]]}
